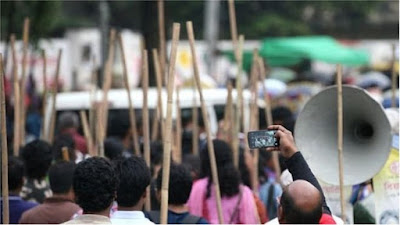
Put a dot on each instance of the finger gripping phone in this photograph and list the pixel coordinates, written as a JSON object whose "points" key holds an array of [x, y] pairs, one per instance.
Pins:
{"points": [[262, 139]]}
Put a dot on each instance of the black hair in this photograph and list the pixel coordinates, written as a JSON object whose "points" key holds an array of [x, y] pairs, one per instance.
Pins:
{"points": [[134, 176], [285, 116], [228, 175], [37, 157], [113, 148], [180, 184], [15, 173], [192, 162], [118, 123], [95, 184], [61, 175], [64, 140], [68, 120], [296, 215]]}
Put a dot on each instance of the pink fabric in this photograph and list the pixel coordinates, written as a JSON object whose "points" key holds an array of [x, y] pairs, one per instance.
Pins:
{"points": [[247, 208]]}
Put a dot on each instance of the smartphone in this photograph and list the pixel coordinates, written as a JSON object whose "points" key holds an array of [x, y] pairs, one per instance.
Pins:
{"points": [[262, 139]]}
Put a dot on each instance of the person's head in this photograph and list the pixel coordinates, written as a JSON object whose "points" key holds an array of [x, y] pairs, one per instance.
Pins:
{"points": [[134, 176], [68, 120], [95, 185], [60, 176], [180, 184], [37, 157], [113, 148], [15, 174], [192, 162], [156, 148], [283, 116], [228, 175], [300, 203], [64, 140]]}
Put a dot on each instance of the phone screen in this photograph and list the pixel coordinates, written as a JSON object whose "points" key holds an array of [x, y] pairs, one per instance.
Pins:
{"points": [[262, 139]]}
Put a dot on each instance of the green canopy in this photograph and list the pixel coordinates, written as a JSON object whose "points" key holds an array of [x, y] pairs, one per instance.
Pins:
{"points": [[292, 50]]}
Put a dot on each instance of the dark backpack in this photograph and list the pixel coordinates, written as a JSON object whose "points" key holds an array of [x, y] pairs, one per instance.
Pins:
{"points": [[154, 216]]}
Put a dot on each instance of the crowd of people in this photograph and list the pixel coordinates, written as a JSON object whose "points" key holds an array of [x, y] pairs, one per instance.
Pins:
{"points": [[46, 188]]}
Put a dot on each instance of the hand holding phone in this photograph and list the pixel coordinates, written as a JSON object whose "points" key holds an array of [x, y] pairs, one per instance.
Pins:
{"points": [[262, 139]]}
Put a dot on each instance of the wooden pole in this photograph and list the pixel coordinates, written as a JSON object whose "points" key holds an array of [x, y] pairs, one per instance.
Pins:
{"points": [[93, 112], [17, 126], [4, 150], [213, 163], [159, 79], [232, 23], [65, 153], [132, 115], [87, 133], [44, 100], [146, 132], [168, 126], [394, 77], [107, 80], [254, 116], [53, 104], [195, 117], [340, 137], [161, 35], [178, 133], [23, 81], [228, 117], [239, 103], [268, 117]]}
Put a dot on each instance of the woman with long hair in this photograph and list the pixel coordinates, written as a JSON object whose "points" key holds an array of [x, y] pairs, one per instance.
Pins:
{"points": [[238, 205]]}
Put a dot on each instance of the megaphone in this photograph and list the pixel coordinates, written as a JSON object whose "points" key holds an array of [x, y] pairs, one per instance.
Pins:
{"points": [[366, 135]]}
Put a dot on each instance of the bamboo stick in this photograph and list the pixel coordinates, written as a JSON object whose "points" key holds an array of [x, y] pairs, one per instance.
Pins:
{"points": [[17, 126], [168, 127], [213, 163], [44, 100], [254, 116], [154, 124], [178, 128], [228, 117], [53, 104], [239, 104], [132, 115], [195, 119], [146, 132], [87, 133], [159, 79], [340, 138], [232, 23], [65, 153], [92, 108], [394, 77], [107, 80], [23, 81], [268, 118], [161, 35], [4, 152]]}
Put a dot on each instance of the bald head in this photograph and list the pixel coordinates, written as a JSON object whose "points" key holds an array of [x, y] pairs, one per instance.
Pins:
{"points": [[301, 202]]}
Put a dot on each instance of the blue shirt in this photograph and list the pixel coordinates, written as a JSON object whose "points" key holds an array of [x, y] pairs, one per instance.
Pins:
{"points": [[17, 207], [176, 218]]}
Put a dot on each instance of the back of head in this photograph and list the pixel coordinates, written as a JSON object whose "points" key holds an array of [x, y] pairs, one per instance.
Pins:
{"points": [[134, 176], [37, 157], [15, 173], [192, 162], [64, 140], [180, 184], [95, 184], [68, 120], [228, 175], [301, 203], [118, 124], [61, 176], [113, 148]]}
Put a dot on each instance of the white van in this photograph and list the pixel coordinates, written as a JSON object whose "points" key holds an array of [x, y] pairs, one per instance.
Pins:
{"points": [[215, 100]]}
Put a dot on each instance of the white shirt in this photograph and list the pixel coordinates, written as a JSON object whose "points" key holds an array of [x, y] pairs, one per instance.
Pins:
{"points": [[130, 217]]}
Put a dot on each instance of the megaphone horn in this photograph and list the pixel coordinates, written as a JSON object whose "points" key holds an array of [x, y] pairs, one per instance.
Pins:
{"points": [[366, 135]]}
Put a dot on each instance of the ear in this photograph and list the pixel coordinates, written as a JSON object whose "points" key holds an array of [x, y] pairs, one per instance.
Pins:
{"points": [[144, 195]]}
